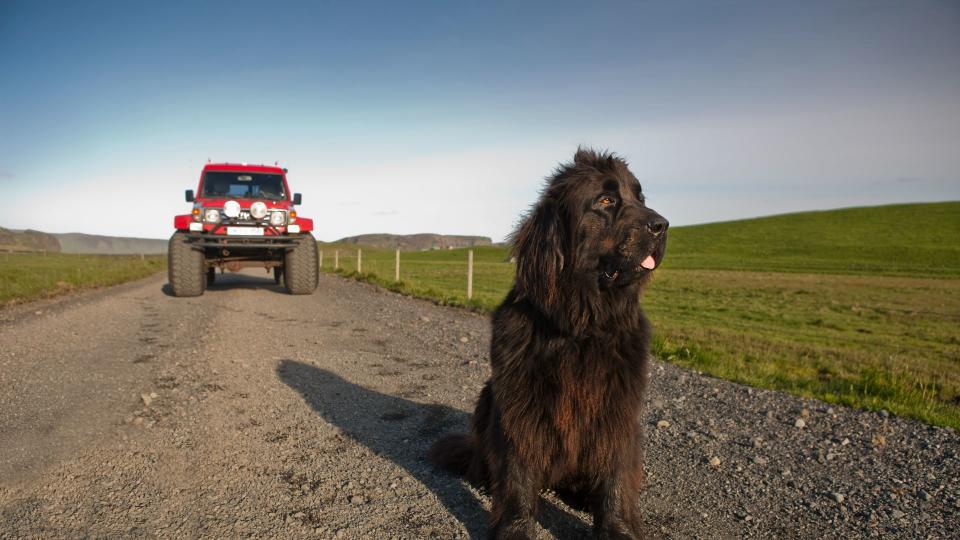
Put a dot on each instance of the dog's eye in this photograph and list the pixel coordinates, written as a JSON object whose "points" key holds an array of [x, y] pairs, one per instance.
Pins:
{"points": [[606, 200]]}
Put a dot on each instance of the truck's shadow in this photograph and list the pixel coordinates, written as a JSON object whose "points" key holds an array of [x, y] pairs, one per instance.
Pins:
{"points": [[238, 280], [401, 431]]}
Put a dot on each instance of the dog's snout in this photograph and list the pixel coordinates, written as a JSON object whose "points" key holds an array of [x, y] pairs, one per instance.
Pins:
{"points": [[657, 225]]}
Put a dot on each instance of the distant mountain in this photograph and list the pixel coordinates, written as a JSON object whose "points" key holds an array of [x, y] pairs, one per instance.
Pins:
{"points": [[416, 242], [109, 245], [28, 240]]}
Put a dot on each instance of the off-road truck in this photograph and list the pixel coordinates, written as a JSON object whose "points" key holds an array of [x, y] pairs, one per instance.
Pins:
{"points": [[243, 216]]}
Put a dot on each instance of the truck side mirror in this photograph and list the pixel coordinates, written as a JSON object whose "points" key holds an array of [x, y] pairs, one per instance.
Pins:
{"points": [[297, 198], [189, 195]]}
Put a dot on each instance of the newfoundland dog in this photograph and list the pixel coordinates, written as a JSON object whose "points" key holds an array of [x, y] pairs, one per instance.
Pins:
{"points": [[562, 409]]}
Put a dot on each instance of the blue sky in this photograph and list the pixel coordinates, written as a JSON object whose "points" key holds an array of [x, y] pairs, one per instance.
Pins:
{"points": [[446, 116]]}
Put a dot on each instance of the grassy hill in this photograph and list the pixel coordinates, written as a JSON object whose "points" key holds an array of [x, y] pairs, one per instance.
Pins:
{"points": [[856, 306], [902, 239]]}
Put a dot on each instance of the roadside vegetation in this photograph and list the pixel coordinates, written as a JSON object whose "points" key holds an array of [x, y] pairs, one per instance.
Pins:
{"points": [[29, 276], [856, 306]]}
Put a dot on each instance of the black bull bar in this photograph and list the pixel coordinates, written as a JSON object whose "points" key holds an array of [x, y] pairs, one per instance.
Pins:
{"points": [[206, 240]]}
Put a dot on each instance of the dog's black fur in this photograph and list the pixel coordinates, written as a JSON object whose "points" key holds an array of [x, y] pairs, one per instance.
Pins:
{"points": [[569, 349]]}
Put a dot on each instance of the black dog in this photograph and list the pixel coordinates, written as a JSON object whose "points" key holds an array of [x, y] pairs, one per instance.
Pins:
{"points": [[569, 355]]}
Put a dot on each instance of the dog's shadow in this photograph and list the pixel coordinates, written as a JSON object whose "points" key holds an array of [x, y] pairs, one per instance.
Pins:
{"points": [[402, 431]]}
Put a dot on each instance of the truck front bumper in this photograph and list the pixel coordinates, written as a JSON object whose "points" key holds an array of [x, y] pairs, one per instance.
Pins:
{"points": [[284, 242]]}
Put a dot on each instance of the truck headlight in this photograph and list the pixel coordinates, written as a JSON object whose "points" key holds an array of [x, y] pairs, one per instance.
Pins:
{"points": [[258, 210], [212, 215], [231, 209], [277, 218]]}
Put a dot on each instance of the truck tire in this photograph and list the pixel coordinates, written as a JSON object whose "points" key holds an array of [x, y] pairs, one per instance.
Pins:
{"points": [[211, 276], [277, 274], [185, 267], [300, 272]]}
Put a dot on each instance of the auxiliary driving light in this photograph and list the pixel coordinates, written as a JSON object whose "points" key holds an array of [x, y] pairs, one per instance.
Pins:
{"points": [[258, 210], [231, 209], [212, 215], [277, 218]]}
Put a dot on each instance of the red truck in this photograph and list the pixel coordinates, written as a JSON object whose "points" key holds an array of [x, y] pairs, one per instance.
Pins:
{"points": [[243, 216]]}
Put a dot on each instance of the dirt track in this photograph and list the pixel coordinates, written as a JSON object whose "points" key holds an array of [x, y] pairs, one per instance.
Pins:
{"points": [[248, 412]]}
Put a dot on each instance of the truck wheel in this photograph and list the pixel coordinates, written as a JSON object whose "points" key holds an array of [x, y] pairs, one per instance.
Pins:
{"points": [[277, 274], [185, 267], [300, 272], [211, 276]]}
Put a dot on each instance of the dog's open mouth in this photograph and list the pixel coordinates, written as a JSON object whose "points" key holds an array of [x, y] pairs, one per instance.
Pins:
{"points": [[612, 270], [649, 263]]}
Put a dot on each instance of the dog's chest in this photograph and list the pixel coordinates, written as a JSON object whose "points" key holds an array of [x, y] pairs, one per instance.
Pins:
{"points": [[596, 401]]}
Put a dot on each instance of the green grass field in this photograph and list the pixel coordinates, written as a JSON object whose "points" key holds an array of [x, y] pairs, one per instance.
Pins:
{"points": [[28, 276], [916, 240], [855, 306]]}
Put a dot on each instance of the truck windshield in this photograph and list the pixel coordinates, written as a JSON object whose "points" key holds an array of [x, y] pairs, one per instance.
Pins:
{"points": [[243, 185]]}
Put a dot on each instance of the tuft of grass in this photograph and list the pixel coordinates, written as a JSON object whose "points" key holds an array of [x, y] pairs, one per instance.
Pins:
{"points": [[28, 276], [856, 306], [875, 342]]}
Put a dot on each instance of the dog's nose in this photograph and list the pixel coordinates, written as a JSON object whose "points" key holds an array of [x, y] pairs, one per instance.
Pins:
{"points": [[658, 225]]}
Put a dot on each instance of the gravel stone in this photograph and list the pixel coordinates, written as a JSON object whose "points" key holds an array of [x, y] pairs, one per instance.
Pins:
{"points": [[325, 420]]}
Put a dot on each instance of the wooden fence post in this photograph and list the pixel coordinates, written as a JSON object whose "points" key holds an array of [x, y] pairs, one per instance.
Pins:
{"points": [[336, 259], [396, 266], [469, 274], [359, 261], [320, 264]]}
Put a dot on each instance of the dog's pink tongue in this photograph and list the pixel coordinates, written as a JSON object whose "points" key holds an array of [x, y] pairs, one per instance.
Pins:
{"points": [[649, 263]]}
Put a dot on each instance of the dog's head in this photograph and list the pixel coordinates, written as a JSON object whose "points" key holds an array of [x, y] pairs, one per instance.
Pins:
{"points": [[591, 229]]}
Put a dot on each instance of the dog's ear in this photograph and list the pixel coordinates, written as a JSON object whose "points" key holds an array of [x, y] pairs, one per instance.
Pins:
{"points": [[538, 249]]}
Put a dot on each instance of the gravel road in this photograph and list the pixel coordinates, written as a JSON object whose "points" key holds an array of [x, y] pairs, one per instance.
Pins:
{"points": [[248, 412]]}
